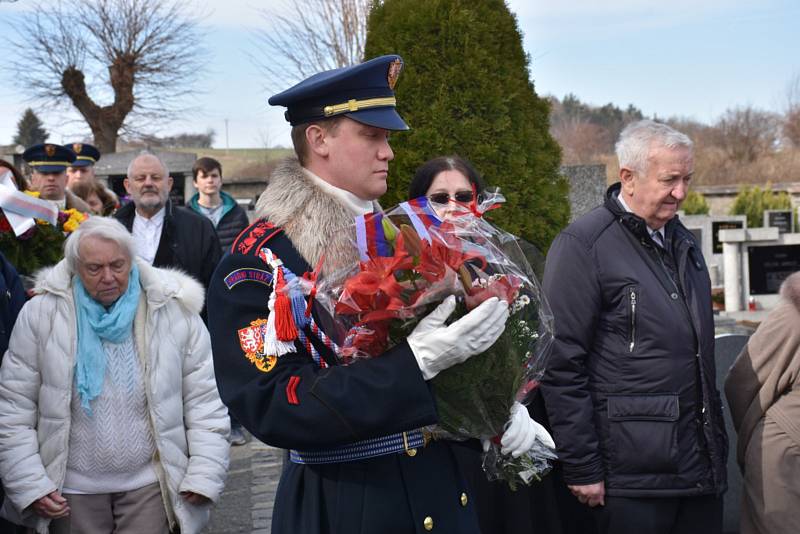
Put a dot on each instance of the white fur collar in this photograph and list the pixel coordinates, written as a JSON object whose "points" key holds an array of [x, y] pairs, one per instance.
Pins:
{"points": [[315, 221]]}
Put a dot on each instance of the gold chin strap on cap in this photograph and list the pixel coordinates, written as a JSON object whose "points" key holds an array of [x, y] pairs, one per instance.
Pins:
{"points": [[356, 105], [86, 158]]}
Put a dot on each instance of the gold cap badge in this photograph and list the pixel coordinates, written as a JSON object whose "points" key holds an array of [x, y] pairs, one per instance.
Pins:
{"points": [[50, 150], [394, 72]]}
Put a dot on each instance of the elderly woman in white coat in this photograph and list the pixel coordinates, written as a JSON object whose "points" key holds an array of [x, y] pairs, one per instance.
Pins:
{"points": [[110, 420]]}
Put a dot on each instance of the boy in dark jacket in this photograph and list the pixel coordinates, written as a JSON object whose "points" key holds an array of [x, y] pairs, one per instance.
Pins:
{"points": [[228, 218], [211, 201]]}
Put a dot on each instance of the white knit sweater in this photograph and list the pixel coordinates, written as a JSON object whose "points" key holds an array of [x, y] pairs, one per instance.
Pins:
{"points": [[111, 450]]}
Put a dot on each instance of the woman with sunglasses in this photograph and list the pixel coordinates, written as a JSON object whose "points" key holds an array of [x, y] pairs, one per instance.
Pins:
{"points": [[447, 182]]}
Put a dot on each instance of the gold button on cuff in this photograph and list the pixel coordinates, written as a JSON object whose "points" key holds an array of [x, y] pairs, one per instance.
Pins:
{"points": [[464, 499], [428, 523], [411, 452]]}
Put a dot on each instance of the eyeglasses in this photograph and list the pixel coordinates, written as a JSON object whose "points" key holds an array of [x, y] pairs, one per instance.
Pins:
{"points": [[444, 198]]}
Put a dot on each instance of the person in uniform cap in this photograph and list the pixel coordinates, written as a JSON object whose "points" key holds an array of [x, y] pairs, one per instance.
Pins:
{"points": [[48, 164], [358, 462], [82, 172], [82, 169]]}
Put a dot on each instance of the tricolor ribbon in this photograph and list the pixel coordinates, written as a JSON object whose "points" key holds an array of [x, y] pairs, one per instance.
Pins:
{"points": [[21, 209]]}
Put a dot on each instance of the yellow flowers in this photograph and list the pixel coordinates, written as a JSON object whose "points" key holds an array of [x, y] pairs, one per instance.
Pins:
{"points": [[75, 219]]}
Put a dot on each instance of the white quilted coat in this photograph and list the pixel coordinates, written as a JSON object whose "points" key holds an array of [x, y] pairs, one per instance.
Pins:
{"points": [[190, 424]]}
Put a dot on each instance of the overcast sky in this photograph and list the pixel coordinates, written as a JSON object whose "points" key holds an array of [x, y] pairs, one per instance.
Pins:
{"points": [[692, 58]]}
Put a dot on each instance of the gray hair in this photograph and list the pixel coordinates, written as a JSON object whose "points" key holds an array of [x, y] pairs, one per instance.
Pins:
{"points": [[638, 138], [99, 227], [146, 153]]}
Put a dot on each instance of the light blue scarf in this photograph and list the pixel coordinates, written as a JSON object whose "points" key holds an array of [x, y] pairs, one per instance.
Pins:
{"points": [[95, 323]]}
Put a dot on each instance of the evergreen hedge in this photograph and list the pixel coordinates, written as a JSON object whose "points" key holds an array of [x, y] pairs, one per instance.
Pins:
{"points": [[466, 90], [754, 201]]}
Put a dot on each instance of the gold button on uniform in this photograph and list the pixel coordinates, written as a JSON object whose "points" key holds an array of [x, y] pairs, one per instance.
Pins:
{"points": [[411, 452], [464, 499], [428, 523]]}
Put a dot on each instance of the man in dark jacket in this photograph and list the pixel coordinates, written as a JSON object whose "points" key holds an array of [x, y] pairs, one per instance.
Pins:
{"points": [[359, 462], [630, 387], [227, 216], [166, 235]]}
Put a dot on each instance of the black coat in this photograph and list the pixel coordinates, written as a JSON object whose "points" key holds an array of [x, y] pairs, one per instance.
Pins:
{"points": [[12, 298], [188, 241], [330, 407], [630, 386]]}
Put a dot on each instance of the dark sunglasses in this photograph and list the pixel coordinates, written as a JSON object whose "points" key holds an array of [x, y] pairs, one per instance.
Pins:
{"points": [[443, 198]]}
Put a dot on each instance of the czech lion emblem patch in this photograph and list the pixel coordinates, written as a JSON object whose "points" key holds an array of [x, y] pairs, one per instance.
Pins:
{"points": [[251, 339]]}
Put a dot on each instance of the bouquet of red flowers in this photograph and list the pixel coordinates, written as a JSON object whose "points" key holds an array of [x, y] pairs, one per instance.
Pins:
{"points": [[410, 261]]}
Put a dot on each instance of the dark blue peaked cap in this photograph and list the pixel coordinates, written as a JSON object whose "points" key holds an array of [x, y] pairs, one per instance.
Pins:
{"points": [[364, 93], [85, 154], [48, 158]]}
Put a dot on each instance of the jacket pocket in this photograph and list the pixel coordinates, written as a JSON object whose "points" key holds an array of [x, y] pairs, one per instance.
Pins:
{"points": [[632, 298], [643, 433]]}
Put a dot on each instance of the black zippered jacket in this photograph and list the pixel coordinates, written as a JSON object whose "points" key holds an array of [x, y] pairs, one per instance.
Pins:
{"points": [[630, 386]]}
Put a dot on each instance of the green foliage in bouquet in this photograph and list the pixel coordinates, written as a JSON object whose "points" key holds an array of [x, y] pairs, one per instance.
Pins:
{"points": [[472, 97], [39, 247]]}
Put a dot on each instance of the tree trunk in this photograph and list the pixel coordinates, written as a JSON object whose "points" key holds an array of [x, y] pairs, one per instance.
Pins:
{"points": [[105, 137]]}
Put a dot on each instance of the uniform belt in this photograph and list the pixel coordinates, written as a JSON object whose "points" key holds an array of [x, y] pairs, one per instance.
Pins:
{"points": [[407, 442]]}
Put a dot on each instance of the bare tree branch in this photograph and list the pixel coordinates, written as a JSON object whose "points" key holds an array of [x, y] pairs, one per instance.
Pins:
{"points": [[311, 36], [125, 62]]}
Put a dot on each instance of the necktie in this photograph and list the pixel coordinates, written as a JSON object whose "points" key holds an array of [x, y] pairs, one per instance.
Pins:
{"points": [[656, 235]]}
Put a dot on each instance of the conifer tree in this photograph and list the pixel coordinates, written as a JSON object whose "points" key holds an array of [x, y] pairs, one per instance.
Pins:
{"points": [[466, 90], [30, 130]]}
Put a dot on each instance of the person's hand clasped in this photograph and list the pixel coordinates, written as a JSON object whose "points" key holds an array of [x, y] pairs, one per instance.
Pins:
{"points": [[521, 432], [437, 346], [590, 494], [51, 506], [195, 498]]}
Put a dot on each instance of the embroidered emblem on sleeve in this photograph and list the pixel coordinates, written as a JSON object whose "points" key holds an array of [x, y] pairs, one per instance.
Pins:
{"points": [[248, 275], [251, 339]]}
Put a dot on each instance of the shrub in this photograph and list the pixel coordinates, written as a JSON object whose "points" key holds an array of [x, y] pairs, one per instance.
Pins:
{"points": [[466, 90]]}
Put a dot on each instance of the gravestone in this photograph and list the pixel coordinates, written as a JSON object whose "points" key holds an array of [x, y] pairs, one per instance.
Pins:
{"points": [[770, 265], [783, 220], [727, 347], [587, 188], [716, 226]]}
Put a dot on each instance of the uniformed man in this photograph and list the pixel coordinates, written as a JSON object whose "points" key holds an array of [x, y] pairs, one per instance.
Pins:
{"points": [[48, 164], [82, 169], [358, 461]]}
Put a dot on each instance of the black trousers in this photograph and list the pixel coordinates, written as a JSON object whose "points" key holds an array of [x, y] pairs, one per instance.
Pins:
{"points": [[660, 515]]}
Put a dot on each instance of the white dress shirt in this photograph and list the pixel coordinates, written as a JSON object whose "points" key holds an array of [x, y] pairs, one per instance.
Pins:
{"points": [[147, 234], [660, 242]]}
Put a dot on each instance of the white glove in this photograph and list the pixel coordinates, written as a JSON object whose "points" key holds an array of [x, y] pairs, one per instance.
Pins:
{"points": [[437, 347], [521, 432]]}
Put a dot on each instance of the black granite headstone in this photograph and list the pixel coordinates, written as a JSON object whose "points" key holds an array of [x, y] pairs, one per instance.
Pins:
{"points": [[780, 219], [770, 266], [716, 226]]}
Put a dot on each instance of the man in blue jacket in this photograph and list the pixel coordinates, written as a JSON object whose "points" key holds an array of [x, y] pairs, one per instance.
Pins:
{"points": [[630, 387]]}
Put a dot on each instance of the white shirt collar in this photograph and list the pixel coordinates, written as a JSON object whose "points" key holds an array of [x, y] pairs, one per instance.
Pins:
{"points": [[651, 231], [357, 205], [147, 234]]}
